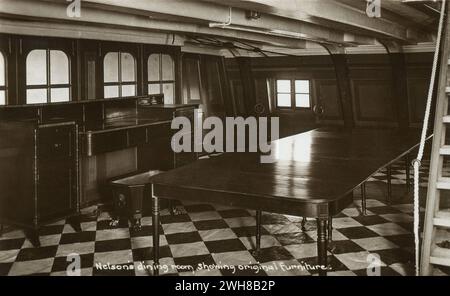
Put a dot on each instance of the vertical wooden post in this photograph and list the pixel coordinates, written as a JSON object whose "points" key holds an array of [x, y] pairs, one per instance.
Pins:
{"points": [[343, 83], [399, 82], [248, 84]]}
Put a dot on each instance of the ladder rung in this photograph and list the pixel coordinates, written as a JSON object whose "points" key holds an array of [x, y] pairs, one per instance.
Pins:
{"points": [[442, 218], [446, 119], [440, 256], [443, 183], [445, 150]]}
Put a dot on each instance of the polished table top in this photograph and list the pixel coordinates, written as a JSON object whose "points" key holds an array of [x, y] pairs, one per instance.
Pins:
{"points": [[314, 173]]}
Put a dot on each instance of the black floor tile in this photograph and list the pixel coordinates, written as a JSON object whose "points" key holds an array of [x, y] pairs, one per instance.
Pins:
{"points": [[248, 231], [273, 254], [391, 256], [228, 245], [234, 213], [344, 246], [370, 220], [112, 245], [268, 218], [51, 229], [30, 254], [11, 244], [357, 232], [167, 219], [77, 237], [4, 268], [183, 238], [144, 254], [210, 224], [293, 238]]}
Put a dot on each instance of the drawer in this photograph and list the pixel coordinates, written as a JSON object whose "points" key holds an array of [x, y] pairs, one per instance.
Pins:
{"points": [[137, 136], [159, 131], [106, 142], [55, 142]]}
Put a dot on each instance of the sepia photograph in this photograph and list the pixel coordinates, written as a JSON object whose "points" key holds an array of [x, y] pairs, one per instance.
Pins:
{"points": [[229, 139]]}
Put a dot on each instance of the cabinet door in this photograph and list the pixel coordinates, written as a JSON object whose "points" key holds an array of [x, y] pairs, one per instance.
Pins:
{"points": [[57, 173], [55, 187]]}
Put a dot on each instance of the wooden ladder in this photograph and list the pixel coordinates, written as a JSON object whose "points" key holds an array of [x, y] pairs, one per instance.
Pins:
{"points": [[437, 219]]}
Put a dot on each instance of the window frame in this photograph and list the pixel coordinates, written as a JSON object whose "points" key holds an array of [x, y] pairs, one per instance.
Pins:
{"points": [[161, 81], [5, 86], [293, 94], [49, 86], [121, 83]]}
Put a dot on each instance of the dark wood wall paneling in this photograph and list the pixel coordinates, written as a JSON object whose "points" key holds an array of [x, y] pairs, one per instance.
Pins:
{"points": [[205, 82], [418, 75], [318, 69], [374, 85]]}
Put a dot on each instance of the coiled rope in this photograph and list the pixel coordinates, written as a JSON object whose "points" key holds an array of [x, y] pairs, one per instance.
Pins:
{"points": [[417, 162]]}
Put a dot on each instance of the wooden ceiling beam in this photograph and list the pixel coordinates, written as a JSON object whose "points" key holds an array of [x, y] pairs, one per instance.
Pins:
{"points": [[333, 11], [56, 12], [219, 13]]}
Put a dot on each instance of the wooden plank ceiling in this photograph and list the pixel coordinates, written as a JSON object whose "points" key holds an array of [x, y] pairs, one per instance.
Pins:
{"points": [[289, 24]]}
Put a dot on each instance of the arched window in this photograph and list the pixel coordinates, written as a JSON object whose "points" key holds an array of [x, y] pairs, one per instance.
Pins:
{"points": [[2, 80], [119, 75], [161, 76], [48, 76]]}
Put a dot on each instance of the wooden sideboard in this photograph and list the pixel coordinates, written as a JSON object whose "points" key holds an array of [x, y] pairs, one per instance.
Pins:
{"points": [[39, 174], [56, 158]]}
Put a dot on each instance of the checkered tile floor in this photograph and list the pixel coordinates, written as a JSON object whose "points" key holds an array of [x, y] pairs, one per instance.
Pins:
{"points": [[221, 240]]}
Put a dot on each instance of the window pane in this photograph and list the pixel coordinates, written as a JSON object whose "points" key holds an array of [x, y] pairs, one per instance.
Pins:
{"points": [[302, 86], [168, 93], [284, 100], [111, 67], [111, 91], [59, 95], [128, 90], [2, 70], [153, 67], [36, 96], [302, 100], [128, 67], [154, 89], [2, 97], [284, 86], [37, 67], [167, 67], [59, 67]]}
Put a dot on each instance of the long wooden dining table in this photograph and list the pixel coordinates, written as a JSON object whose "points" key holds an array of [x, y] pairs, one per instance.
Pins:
{"points": [[313, 174]]}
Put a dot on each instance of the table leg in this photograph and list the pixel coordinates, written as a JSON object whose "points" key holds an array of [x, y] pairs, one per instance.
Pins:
{"points": [[155, 223], [408, 177], [303, 225], [363, 199], [330, 229], [389, 184], [322, 245], [258, 231]]}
